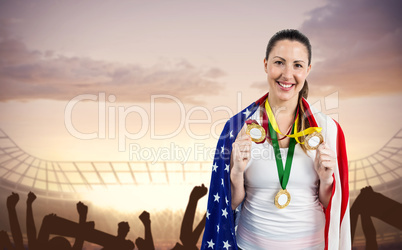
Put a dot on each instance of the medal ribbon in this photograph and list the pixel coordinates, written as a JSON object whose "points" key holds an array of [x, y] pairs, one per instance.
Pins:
{"points": [[282, 174], [271, 119]]}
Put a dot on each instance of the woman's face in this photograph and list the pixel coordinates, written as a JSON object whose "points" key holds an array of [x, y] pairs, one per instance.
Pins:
{"points": [[287, 68]]}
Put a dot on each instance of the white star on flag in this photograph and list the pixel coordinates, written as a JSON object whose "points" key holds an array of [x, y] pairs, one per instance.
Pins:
{"points": [[247, 113], [226, 245], [208, 214], [211, 244], [214, 167], [226, 200], [217, 197], [231, 134], [222, 182], [225, 213], [227, 166], [217, 228], [222, 149]]}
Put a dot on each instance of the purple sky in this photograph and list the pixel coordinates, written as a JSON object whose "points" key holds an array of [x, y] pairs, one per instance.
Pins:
{"points": [[202, 53]]}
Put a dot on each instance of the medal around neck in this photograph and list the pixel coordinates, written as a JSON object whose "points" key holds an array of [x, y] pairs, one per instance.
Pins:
{"points": [[282, 199], [256, 132], [313, 141]]}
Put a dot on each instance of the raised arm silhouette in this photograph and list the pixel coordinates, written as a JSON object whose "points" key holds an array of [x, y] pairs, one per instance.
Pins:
{"points": [[12, 201], [84, 226], [188, 237], [31, 229], [147, 243], [370, 204]]}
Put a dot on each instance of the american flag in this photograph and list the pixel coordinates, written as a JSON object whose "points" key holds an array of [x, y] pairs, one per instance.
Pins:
{"points": [[219, 227], [220, 224]]}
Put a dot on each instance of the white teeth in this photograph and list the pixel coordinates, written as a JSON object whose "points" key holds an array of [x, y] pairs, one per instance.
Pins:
{"points": [[285, 85]]}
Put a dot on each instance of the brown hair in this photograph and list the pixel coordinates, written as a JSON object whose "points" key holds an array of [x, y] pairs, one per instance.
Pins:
{"points": [[303, 121]]}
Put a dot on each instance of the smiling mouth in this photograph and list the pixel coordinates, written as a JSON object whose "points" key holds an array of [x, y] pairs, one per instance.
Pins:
{"points": [[286, 85]]}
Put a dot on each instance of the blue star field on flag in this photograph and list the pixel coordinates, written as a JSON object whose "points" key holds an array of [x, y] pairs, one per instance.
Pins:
{"points": [[219, 227]]}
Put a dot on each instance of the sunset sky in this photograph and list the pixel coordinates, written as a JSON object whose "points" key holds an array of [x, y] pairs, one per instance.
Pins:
{"points": [[171, 62]]}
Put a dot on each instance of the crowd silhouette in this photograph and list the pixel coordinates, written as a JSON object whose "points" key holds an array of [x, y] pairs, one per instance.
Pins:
{"points": [[368, 204], [55, 230]]}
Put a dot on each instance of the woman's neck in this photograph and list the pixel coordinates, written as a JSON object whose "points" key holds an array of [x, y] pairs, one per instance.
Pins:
{"points": [[284, 113], [282, 108]]}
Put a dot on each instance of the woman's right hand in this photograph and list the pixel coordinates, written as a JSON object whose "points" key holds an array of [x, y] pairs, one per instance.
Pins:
{"points": [[241, 152]]}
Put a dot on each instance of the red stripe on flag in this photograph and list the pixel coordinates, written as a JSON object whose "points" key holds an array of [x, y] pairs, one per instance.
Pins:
{"points": [[343, 169], [262, 99], [328, 214]]}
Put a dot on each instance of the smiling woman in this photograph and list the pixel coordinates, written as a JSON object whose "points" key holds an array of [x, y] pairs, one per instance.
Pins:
{"points": [[308, 207]]}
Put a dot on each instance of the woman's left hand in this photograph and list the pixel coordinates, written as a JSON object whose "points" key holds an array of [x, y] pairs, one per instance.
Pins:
{"points": [[325, 163]]}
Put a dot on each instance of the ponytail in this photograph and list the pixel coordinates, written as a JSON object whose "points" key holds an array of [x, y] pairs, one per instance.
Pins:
{"points": [[303, 122]]}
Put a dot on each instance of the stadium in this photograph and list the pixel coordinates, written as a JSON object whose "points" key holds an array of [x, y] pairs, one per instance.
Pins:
{"points": [[120, 191]]}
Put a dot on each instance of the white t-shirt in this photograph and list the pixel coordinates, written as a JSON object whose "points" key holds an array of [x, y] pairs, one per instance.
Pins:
{"points": [[264, 226]]}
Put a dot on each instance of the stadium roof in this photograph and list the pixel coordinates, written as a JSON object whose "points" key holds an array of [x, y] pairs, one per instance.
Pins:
{"points": [[22, 171]]}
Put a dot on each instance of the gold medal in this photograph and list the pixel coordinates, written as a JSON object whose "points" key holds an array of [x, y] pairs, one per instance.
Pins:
{"points": [[313, 141], [282, 199], [256, 132]]}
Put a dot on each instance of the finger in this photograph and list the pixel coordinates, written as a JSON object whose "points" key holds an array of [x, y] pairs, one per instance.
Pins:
{"points": [[244, 148], [245, 156], [242, 131], [317, 157], [242, 143], [326, 151], [245, 137], [324, 145], [241, 154], [326, 158], [317, 160], [328, 155], [323, 149], [237, 152], [327, 164], [323, 157]]}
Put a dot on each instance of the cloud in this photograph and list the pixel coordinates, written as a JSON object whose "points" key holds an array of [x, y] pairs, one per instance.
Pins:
{"points": [[358, 47], [26, 74], [4, 25]]}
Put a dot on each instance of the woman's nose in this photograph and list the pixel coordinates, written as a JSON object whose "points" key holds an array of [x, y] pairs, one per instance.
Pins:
{"points": [[287, 72]]}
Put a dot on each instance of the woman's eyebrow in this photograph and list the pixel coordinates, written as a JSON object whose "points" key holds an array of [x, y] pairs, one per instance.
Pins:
{"points": [[283, 59], [295, 61]]}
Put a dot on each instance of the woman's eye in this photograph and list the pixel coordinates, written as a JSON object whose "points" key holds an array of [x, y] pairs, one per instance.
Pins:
{"points": [[298, 65], [279, 62]]}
